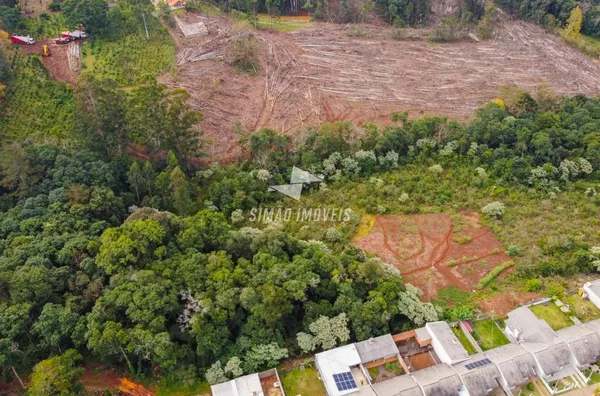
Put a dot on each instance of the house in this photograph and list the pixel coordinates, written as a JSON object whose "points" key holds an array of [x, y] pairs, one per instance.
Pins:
{"points": [[516, 365], [248, 385], [583, 342], [266, 383], [479, 374], [403, 385], [554, 360], [440, 380], [176, 4], [341, 372], [445, 344], [591, 290], [378, 350]]}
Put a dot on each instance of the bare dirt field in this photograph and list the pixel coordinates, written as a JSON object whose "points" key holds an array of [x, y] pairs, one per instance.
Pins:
{"points": [[433, 251], [63, 62], [322, 74]]}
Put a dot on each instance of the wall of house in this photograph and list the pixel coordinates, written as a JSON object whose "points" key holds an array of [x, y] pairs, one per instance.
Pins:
{"points": [[591, 295], [439, 349]]}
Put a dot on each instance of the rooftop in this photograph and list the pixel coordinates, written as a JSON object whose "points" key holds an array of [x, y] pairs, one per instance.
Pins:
{"points": [[531, 329], [479, 374], [403, 385], [594, 286], [248, 385], [583, 341], [336, 362], [376, 348], [440, 380], [442, 332], [515, 362]]}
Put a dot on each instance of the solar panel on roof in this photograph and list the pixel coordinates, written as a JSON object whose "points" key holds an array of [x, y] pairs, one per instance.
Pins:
{"points": [[477, 364], [344, 381]]}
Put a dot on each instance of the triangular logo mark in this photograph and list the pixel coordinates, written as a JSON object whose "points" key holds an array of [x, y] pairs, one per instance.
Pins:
{"points": [[291, 190], [301, 176]]}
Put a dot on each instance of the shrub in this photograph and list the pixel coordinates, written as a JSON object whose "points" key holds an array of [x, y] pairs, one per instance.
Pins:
{"points": [[512, 251], [493, 274], [333, 235], [245, 55], [54, 6], [495, 209], [452, 263], [533, 285], [462, 240], [530, 387], [437, 169], [555, 290]]}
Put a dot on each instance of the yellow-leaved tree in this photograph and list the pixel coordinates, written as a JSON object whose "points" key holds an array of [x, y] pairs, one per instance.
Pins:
{"points": [[574, 23]]}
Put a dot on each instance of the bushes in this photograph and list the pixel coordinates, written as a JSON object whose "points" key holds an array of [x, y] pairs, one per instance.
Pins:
{"points": [[493, 274], [494, 210], [245, 55], [533, 285], [555, 290]]}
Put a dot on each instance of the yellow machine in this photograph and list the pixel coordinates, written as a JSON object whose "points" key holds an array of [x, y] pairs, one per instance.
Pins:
{"points": [[45, 50]]}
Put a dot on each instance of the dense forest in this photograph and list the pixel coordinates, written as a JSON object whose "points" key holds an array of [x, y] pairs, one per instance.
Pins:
{"points": [[120, 244]]}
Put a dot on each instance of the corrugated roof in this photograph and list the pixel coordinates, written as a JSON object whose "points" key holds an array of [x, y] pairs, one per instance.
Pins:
{"points": [[376, 348], [515, 363], [583, 342], [440, 380], [403, 385], [481, 378]]}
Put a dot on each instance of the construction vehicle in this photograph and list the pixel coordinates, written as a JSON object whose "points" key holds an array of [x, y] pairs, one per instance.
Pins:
{"points": [[22, 39], [75, 34], [45, 50]]}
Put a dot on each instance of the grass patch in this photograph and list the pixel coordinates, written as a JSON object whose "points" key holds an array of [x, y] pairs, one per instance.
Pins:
{"points": [[595, 378], [128, 59], [584, 44], [453, 296], [486, 280], [281, 25], [393, 367], [374, 373], [490, 335], [556, 318], [302, 382], [36, 106], [462, 240], [462, 337], [585, 310]]}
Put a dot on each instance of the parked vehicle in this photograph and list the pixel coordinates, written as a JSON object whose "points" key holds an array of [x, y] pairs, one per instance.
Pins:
{"points": [[22, 39], [75, 34], [63, 40]]}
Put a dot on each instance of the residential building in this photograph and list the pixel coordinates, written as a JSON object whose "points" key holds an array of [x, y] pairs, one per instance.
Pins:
{"points": [[591, 290], [266, 383], [447, 347]]}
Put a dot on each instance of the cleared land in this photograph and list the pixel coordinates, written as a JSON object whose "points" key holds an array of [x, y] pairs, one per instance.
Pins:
{"points": [[431, 252], [64, 62], [321, 74]]}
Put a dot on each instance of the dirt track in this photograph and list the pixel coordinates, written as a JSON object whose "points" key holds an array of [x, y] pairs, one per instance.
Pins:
{"points": [[320, 74], [423, 247], [64, 61]]}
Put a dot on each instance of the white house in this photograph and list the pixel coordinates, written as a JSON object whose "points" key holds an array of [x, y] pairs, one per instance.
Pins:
{"points": [[445, 344]]}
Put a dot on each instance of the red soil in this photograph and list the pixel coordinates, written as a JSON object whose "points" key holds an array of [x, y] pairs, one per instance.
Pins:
{"points": [[421, 247]]}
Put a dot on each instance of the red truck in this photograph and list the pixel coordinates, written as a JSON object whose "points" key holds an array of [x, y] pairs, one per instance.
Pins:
{"points": [[22, 39], [74, 35]]}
